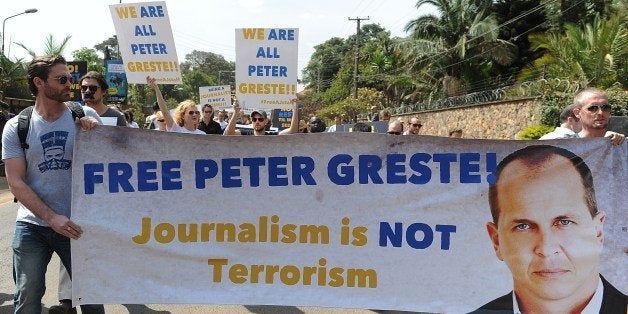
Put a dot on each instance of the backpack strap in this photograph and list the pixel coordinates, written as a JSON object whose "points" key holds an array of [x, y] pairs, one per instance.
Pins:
{"points": [[23, 124], [76, 108]]}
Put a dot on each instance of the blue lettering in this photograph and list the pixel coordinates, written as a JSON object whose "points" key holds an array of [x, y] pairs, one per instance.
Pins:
{"points": [[152, 11], [204, 169], [91, 178], [418, 164], [369, 165], [395, 168], [170, 175], [144, 175], [446, 230], [467, 167], [231, 173], [277, 171], [120, 175], [347, 173], [428, 236], [253, 164], [445, 161], [302, 168], [386, 233], [395, 237]]}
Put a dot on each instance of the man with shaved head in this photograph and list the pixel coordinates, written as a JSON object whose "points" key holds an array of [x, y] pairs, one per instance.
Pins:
{"points": [[547, 228]]}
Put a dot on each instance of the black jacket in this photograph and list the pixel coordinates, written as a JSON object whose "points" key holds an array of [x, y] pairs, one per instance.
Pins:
{"points": [[613, 301]]}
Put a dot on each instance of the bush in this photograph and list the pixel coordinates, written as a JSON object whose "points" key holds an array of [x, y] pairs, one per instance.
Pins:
{"points": [[534, 132]]}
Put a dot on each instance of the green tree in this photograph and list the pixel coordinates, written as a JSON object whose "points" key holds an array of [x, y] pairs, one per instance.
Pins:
{"points": [[94, 62], [350, 107], [51, 46], [206, 62], [325, 64], [109, 48], [518, 19], [13, 81], [595, 54], [459, 43], [195, 79]]}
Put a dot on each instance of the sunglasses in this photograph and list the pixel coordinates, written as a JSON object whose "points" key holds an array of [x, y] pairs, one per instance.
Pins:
{"points": [[595, 108], [92, 88], [207, 111], [416, 125], [192, 112], [257, 119], [394, 133], [64, 79], [161, 120]]}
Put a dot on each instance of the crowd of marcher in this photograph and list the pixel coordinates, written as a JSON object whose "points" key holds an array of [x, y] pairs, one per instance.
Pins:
{"points": [[44, 225]]}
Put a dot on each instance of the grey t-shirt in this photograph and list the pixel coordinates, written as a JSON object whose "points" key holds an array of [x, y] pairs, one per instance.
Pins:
{"points": [[112, 113], [48, 160]]}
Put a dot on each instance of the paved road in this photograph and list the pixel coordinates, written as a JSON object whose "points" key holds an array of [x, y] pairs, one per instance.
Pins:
{"points": [[7, 224]]}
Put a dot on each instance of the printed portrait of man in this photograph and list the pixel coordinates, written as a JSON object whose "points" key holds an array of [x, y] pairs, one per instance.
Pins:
{"points": [[547, 228]]}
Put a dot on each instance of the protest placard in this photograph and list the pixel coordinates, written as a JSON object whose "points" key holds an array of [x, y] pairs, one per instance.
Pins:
{"points": [[362, 221], [219, 97], [77, 69], [146, 42], [266, 67], [116, 78]]}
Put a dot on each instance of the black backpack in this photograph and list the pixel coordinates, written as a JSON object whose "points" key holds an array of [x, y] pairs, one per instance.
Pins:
{"points": [[24, 120]]}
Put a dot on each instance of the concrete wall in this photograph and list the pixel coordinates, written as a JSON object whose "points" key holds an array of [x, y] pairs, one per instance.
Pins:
{"points": [[495, 120]]}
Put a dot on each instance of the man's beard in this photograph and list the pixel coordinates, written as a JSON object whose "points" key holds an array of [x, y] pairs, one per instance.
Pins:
{"points": [[259, 128], [57, 95]]}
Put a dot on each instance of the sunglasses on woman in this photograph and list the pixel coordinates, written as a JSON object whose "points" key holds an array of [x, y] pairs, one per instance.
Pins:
{"points": [[192, 112]]}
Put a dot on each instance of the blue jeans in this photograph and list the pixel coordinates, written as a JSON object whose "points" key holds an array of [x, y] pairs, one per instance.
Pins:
{"points": [[33, 246]]}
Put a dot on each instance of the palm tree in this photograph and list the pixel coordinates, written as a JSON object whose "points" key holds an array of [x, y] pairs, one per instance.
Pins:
{"points": [[13, 78], [51, 47], [458, 44], [595, 54]]}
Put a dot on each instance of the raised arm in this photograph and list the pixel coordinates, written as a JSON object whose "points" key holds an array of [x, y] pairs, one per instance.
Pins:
{"points": [[161, 102], [294, 123], [230, 129]]}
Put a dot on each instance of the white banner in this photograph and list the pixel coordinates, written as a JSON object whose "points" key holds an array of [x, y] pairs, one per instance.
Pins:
{"points": [[266, 67], [146, 42], [217, 96], [350, 220]]}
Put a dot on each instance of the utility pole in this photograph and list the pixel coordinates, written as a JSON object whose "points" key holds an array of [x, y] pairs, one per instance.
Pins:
{"points": [[357, 54]]}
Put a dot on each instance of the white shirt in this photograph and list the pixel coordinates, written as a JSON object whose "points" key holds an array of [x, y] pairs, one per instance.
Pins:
{"points": [[593, 307], [179, 129], [559, 132]]}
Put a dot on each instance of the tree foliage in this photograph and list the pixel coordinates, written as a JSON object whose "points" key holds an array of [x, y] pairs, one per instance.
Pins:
{"points": [[94, 62]]}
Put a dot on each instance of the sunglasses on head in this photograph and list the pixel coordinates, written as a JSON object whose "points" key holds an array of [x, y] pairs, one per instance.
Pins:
{"points": [[260, 119], [192, 112], [92, 88], [64, 79], [595, 108], [394, 133]]}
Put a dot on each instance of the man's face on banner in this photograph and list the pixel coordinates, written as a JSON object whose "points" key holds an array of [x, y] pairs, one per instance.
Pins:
{"points": [[545, 231]]}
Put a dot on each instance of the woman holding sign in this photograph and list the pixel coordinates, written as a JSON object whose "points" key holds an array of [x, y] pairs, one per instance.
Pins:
{"points": [[186, 116]]}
